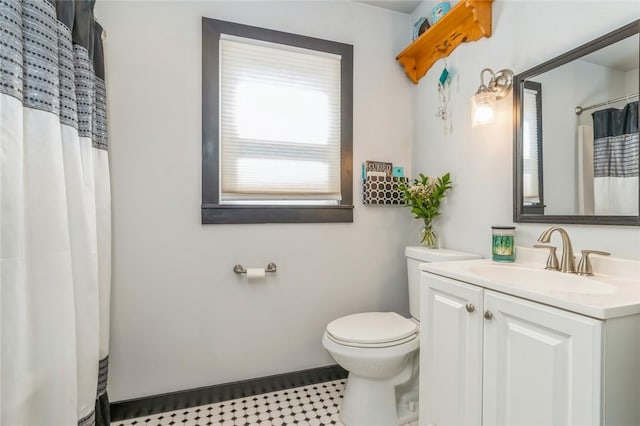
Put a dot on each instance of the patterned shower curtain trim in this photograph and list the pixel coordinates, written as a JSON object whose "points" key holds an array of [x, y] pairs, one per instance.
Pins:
{"points": [[615, 161], [616, 141], [62, 75]]}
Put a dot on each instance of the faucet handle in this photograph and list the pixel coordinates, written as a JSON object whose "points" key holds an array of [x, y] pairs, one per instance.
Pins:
{"points": [[584, 267], [552, 260]]}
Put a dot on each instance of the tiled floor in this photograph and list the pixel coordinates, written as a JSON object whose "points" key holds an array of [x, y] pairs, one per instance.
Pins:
{"points": [[313, 405]]}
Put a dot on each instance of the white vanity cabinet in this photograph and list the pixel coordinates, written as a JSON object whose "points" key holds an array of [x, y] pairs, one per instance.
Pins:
{"points": [[541, 365], [450, 352], [493, 359]]}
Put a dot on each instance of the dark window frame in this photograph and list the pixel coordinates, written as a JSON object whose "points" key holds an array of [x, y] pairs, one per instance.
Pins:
{"points": [[211, 209], [539, 207]]}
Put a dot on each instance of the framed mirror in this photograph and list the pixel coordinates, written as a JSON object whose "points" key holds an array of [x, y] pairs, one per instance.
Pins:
{"points": [[576, 135]]}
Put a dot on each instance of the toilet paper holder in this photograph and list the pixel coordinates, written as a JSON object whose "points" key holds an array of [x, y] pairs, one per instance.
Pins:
{"points": [[239, 269]]}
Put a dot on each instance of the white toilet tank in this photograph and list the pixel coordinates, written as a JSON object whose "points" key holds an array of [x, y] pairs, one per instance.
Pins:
{"points": [[419, 254]]}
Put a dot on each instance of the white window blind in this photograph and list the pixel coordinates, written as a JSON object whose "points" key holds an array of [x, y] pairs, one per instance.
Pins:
{"points": [[530, 151], [279, 124]]}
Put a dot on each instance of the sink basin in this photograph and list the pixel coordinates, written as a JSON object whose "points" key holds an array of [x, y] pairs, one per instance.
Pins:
{"points": [[540, 279], [613, 292]]}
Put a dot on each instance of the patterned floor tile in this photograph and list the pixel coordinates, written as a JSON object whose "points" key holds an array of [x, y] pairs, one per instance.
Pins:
{"points": [[313, 405]]}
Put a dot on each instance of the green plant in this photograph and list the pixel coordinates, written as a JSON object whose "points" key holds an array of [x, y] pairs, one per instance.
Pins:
{"points": [[424, 195]]}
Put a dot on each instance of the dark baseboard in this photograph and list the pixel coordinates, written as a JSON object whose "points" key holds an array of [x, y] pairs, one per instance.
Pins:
{"points": [[145, 406]]}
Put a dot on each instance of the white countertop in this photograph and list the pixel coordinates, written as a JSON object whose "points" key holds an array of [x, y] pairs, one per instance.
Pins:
{"points": [[614, 292]]}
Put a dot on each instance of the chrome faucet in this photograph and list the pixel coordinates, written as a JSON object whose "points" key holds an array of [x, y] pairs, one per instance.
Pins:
{"points": [[567, 263]]}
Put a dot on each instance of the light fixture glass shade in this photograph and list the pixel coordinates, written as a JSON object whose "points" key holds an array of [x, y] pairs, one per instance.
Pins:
{"points": [[482, 108]]}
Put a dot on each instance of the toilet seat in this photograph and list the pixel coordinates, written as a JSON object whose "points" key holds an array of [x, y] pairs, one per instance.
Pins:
{"points": [[372, 345], [372, 330]]}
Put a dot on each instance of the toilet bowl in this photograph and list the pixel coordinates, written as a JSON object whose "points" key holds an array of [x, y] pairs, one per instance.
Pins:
{"points": [[380, 352]]}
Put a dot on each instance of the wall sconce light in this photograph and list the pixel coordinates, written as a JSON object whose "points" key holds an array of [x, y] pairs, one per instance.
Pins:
{"points": [[483, 101]]}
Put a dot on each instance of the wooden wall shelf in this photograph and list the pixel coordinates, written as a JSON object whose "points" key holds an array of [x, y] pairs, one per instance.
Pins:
{"points": [[469, 20]]}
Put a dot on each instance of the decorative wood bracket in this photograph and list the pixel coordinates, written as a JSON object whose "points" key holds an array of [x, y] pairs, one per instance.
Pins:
{"points": [[469, 20]]}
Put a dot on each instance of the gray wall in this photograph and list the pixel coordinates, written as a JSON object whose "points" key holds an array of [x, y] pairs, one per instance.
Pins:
{"points": [[180, 317]]}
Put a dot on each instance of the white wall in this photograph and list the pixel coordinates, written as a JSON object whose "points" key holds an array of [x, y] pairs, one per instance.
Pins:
{"points": [[525, 33], [631, 82], [180, 317]]}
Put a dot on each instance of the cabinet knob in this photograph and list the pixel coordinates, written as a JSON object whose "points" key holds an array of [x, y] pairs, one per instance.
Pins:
{"points": [[470, 307], [488, 315]]}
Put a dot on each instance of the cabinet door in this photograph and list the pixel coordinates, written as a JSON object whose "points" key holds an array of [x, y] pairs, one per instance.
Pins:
{"points": [[450, 353], [541, 365]]}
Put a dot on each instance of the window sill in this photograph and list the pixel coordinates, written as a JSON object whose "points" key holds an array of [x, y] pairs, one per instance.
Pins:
{"points": [[215, 213]]}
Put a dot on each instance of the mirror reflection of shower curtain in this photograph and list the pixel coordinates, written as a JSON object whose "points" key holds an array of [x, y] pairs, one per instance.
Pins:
{"points": [[615, 161], [585, 169]]}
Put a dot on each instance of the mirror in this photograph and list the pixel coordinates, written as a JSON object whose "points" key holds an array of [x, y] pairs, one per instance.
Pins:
{"points": [[576, 135]]}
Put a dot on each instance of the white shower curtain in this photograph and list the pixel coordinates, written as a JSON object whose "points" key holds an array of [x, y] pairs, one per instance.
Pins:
{"points": [[54, 216], [585, 169]]}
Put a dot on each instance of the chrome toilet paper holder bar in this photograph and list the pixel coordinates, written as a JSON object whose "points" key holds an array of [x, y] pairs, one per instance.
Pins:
{"points": [[239, 269]]}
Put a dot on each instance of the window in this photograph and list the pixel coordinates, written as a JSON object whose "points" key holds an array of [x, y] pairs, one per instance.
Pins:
{"points": [[532, 186], [276, 126]]}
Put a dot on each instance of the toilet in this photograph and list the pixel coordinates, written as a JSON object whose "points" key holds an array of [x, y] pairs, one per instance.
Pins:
{"points": [[380, 352]]}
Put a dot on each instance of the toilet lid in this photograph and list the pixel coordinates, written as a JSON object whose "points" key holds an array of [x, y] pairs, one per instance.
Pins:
{"points": [[372, 327]]}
